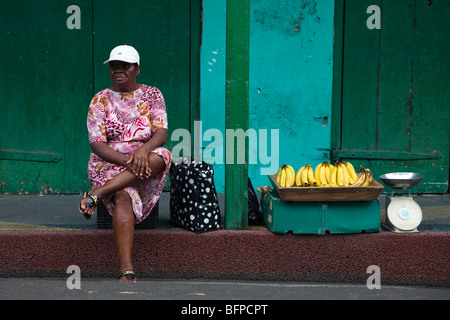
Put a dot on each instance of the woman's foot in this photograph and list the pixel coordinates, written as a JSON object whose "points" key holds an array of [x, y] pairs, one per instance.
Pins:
{"points": [[88, 204], [127, 276]]}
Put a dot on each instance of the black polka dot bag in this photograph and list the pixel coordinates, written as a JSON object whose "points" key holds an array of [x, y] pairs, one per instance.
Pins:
{"points": [[193, 199]]}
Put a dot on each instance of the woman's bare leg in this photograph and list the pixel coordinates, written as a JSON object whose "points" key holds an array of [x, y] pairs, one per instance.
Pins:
{"points": [[123, 180], [123, 226], [123, 217]]}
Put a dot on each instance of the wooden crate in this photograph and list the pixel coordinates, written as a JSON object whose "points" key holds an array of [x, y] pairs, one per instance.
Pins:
{"points": [[368, 193]]}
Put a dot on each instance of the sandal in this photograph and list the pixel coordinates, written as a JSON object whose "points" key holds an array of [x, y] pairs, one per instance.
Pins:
{"points": [[92, 202], [129, 274]]}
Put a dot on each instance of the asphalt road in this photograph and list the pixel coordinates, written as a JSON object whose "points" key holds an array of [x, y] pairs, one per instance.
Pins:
{"points": [[201, 290]]}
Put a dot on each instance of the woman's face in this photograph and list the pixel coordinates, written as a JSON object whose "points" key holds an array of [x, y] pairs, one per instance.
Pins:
{"points": [[122, 73]]}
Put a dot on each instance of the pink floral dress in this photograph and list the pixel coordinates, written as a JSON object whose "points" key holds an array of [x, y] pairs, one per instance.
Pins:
{"points": [[125, 121]]}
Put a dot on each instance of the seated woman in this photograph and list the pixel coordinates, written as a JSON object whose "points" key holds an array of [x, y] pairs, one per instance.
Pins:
{"points": [[127, 125]]}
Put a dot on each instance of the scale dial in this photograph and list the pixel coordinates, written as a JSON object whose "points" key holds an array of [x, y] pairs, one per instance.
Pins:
{"points": [[404, 213]]}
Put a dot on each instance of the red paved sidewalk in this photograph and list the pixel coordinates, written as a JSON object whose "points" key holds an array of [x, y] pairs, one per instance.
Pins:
{"points": [[408, 259]]}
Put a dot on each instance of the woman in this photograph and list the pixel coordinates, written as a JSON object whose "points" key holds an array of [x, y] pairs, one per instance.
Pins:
{"points": [[127, 125]]}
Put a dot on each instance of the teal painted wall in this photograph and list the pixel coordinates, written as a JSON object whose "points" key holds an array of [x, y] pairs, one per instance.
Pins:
{"points": [[291, 53], [212, 78]]}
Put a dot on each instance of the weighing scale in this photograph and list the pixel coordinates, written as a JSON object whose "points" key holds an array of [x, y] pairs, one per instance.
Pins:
{"points": [[403, 214]]}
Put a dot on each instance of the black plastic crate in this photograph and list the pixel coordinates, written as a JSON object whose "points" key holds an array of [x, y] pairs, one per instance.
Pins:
{"points": [[104, 219]]}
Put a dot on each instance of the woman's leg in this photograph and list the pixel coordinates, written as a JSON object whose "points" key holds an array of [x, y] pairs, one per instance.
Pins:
{"points": [[123, 217], [123, 226], [123, 180]]}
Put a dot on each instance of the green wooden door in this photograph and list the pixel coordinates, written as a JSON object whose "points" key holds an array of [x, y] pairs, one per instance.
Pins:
{"points": [[391, 96], [51, 68], [45, 83]]}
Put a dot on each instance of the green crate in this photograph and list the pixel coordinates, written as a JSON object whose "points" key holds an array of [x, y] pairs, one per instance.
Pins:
{"points": [[314, 217]]}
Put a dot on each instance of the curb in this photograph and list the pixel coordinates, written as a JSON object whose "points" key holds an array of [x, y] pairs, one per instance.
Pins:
{"points": [[403, 259]]}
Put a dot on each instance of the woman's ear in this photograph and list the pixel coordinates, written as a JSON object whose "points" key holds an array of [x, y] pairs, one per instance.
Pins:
{"points": [[138, 70]]}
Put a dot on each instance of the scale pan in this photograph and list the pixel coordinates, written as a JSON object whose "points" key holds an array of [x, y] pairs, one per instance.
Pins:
{"points": [[402, 180]]}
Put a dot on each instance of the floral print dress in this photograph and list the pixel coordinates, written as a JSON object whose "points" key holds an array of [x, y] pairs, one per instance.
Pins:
{"points": [[125, 121]]}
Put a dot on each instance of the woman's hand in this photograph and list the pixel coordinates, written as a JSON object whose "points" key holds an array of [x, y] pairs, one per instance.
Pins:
{"points": [[128, 166], [139, 163], [140, 158]]}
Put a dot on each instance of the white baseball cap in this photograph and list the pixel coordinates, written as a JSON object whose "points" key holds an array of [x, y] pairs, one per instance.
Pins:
{"points": [[123, 53]]}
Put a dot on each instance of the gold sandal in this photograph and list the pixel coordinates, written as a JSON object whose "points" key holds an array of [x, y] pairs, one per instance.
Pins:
{"points": [[92, 202], [129, 274]]}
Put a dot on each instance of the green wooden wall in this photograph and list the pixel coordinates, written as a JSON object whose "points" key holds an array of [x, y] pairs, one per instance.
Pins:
{"points": [[51, 66], [334, 87], [391, 106]]}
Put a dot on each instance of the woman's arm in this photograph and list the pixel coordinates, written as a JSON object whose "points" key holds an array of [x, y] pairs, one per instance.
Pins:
{"points": [[138, 162], [139, 159], [108, 154]]}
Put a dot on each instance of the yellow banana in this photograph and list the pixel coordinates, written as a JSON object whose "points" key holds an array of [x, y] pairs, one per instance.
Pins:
{"points": [[279, 176], [290, 176], [290, 168], [360, 180], [304, 177], [286, 184], [347, 177], [370, 176], [298, 177], [351, 171], [323, 174], [333, 175], [317, 174], [331, 185], [283, 177], [340, 175], [368, 179], [312, 181], [328, 171]]}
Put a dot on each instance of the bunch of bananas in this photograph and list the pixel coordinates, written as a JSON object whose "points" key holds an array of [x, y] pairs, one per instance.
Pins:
{"points": [[286, 176], [342, 174], [305, 177]]}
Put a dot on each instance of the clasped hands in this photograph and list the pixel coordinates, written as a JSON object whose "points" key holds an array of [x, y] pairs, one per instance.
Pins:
{"points": [[139, 164]]}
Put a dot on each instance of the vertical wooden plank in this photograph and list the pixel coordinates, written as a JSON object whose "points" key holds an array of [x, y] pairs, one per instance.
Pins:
{"points": [[360, 77], [396, 56], [237, 77]]}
